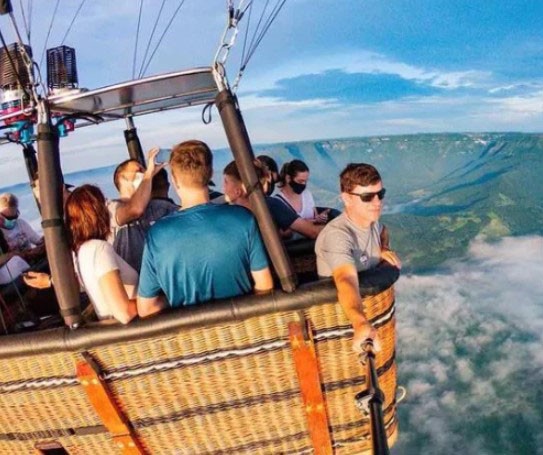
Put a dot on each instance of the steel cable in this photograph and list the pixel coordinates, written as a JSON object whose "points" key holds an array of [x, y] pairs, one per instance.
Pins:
{"points": [[49, 32], [137, 39], [151, 38], [73, 20], [162, 36]]}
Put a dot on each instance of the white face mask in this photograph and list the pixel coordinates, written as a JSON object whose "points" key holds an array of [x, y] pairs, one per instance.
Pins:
{"points": [[137, 180]]}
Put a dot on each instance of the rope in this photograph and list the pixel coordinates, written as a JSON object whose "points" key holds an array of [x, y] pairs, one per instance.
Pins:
{"points": [[72, 23], [263, 25], [137, 39], [259, 23], [279, 5], [207, 111], [151, 37], [38, 384], [30, 8], [162, 36], [25, 23], [246, 32], [195, 360], [49, 32]]}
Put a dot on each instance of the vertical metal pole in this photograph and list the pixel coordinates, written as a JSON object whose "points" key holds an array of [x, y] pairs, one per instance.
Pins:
{"points": [[240, 144], [133, 142], [56, 241], [370, 401], [378, 431], [31, 164]]}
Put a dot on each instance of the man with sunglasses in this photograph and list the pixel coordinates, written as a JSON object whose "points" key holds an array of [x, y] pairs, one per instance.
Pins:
{"points": [[355, 241]]}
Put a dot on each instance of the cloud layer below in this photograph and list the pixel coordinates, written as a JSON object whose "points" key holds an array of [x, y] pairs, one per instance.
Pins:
{"points": [[469, 349]]}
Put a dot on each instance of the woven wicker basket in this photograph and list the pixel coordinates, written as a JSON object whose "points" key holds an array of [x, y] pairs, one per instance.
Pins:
{"points": [[224, 389]]}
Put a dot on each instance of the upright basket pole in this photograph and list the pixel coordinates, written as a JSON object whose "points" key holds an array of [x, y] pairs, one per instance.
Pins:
{"points": [[240, 144], [56, 241], [133, 142]]}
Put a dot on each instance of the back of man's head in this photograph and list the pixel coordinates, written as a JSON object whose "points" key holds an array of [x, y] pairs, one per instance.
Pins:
{"points": [[191, 163], [358, 174]]}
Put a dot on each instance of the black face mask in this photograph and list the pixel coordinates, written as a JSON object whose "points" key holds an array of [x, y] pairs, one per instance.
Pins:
{"points": [[298, 188], [271, 187], [11, 218]]}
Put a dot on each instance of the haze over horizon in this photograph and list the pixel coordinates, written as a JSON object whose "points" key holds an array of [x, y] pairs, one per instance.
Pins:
{"points": [[325, 70]]}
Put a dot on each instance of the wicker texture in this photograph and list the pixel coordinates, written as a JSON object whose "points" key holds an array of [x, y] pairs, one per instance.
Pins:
{"points": [[224, 389]]}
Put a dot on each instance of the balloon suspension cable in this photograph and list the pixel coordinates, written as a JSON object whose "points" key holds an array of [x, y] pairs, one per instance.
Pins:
{"points": [[151, 36], [157, 45], [228, 39], [69, 29]]}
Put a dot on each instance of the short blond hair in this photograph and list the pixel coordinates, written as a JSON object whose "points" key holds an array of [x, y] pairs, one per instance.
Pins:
{"points": [[192, 163], [8, 200]]}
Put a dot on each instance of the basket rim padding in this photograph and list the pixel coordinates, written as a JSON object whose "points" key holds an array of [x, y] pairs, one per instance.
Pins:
{"points": [[206, 314]]}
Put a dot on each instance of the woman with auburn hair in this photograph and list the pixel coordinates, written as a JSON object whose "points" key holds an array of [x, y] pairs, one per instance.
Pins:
{"points": [[109, 281]]}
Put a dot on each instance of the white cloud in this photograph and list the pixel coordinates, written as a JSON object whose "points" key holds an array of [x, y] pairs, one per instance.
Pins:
{"points": [[469, 349], [368, 62]]}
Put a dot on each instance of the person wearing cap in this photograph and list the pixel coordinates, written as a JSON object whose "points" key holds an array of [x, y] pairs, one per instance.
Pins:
{"points": [[355, 241]]}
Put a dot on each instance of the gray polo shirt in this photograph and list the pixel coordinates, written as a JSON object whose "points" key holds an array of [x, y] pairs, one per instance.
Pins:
{"points": [[341, 242]]}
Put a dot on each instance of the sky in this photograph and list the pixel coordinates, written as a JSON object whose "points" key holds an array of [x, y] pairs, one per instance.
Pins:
{"points": [[325, 69]]}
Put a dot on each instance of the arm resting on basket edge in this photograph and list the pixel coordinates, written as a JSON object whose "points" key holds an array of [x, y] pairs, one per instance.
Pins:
{"points": [[348, 293]]}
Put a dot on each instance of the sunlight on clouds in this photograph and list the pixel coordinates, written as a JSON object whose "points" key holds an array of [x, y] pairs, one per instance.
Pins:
{"points": [[369, 62], [521, 106], [469, 349]]}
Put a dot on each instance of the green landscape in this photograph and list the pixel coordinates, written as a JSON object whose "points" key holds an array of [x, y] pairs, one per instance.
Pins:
{"points": [[443, 190]]}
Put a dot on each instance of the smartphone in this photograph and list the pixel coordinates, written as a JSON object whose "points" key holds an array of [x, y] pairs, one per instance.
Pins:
{"points": [[163, 156]]}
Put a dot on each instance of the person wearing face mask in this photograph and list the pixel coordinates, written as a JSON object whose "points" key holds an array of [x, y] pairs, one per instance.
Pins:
{"points": [[286, 219], [19, 235], [295, 194], [12, 265], [127, 213]]}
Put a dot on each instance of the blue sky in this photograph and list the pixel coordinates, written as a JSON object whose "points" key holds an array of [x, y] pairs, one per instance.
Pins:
{"points": [[327, 68]]}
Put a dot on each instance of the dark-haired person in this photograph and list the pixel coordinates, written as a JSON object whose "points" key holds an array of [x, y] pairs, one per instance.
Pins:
{"points": [[110, 282], [355, 241], [204, 251], [286, 219], [294, 192], [128, 226], [273, 173]]}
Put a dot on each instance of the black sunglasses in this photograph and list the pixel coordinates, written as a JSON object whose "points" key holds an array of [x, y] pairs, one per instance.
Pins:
{"points": [[368, 197]]}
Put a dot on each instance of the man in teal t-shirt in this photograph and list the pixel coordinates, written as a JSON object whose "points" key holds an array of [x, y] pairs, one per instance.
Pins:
{"points": [[204, 251]]}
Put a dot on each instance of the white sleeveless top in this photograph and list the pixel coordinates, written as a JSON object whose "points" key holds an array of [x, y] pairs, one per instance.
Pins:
{"points": [[96, 258], [308, 204]]}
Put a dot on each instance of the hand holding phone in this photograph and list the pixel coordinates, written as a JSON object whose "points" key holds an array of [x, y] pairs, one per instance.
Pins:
{"points": [[163, 156]]}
